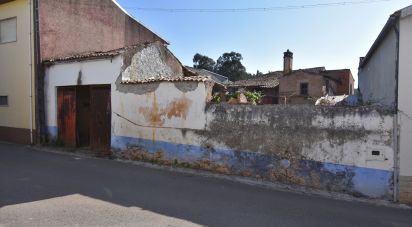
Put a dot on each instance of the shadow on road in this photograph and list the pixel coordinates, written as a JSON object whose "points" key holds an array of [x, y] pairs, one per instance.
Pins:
{"points": [[27, 175]]}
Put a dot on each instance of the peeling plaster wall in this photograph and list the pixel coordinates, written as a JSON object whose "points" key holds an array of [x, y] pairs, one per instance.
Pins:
{"points": [[154, 61], [326, 148], [329, 148]]}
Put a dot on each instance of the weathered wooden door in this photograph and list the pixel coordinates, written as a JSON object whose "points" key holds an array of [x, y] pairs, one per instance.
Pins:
{"points": [[66, 115], [100, 127]]}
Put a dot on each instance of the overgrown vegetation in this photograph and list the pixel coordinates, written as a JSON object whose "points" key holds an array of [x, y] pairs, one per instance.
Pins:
{"points": [[253, 97]]}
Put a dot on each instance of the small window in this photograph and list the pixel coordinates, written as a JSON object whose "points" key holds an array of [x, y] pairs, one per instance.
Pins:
{"points": [[304, 88], [8, 30], [4, 100]]}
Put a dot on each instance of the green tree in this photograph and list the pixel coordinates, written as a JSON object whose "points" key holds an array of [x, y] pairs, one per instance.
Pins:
{"points": [[203, 62], [230, 65], [258, 73]]}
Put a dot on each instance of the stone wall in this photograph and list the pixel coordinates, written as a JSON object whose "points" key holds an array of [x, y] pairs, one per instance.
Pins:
{"points": [[339, 149]]}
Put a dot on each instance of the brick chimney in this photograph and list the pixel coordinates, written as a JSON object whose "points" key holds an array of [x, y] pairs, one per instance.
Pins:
{"points": [[287, 62]]}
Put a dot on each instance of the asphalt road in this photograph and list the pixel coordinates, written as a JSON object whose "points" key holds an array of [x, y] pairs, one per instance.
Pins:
{"points": [[47, 189]]}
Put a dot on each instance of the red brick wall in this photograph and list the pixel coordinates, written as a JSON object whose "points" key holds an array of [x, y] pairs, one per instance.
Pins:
{"points": [[346, 78], [77, 26]]}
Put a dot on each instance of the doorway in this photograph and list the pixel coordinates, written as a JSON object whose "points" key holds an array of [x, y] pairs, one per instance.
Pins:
{"points": [[84, 117]]}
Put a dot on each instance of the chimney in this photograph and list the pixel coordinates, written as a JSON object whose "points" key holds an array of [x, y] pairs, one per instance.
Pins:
{"points": [[287, 62]]}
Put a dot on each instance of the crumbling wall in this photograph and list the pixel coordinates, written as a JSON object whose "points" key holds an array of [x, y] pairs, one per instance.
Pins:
{"points": [[153, 61], [341, 149], [338, 149]]}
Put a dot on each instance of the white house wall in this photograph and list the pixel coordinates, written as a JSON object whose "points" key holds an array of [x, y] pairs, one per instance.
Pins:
{"points": [[405, 106], [94, 72]]}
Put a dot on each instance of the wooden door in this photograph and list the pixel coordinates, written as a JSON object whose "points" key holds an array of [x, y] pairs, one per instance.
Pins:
{"points": [[100, 127], [83, 115], [66, 115]]}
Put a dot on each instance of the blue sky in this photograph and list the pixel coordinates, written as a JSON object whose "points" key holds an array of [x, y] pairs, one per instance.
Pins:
{"points": [[334, 37]]}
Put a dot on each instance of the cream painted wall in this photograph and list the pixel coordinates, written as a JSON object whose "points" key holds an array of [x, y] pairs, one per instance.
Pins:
{"points": [[405, 95], [15, 68]]}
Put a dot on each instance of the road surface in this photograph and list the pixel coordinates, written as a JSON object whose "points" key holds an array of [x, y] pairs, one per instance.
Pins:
{"points": [[49, 189]]}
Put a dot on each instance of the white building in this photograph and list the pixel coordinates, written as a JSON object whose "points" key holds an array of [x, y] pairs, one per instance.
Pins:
{"points": [[385, 76]]}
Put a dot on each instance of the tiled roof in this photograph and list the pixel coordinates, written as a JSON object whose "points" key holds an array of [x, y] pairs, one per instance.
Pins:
{"points": [[84, 56], [269, 80], [169, 79], [315, 70], [214, 76], [96, 54]]}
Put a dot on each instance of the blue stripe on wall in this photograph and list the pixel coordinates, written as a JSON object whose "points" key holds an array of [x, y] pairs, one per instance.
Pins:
{"points": [[52, 131], [359, 181]]}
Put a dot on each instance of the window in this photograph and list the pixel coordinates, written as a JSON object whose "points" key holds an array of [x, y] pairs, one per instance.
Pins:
{"points": [[8, 30], [304, 88], [4, 100]]}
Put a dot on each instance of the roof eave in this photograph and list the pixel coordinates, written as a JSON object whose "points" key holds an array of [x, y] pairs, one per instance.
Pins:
{"points": [[382, 35]]}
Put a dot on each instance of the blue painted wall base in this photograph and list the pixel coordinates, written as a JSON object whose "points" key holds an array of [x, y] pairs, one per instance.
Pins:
{"points": [[358, 181]]}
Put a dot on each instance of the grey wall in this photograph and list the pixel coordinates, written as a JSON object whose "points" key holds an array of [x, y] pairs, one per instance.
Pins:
{"points": [[377, 82]]}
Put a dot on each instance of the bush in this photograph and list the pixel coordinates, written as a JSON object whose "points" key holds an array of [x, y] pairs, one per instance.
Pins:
{"points": [[254, 97]]}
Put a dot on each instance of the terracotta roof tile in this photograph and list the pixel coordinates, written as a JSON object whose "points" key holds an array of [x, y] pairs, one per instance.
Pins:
{"points": [[269, 80], [167, 79]]}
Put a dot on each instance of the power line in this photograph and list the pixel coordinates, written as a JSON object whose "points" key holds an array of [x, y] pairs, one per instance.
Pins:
{"points": [[261, 9]]}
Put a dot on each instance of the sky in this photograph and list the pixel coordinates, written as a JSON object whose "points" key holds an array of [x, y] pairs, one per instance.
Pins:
{"points": [[334, 37]]}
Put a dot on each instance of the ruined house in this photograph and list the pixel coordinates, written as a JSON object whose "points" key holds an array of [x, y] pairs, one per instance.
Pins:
{"points": [[90, 97], [57, 29], [299, 86]]}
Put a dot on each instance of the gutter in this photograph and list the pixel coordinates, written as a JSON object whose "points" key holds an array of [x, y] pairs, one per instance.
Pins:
{"points": [[31, 72], [396, 133], [37, 68]]}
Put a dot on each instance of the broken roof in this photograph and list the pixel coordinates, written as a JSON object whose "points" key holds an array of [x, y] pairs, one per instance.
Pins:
{"points": [[203, 72], [169, 79]]}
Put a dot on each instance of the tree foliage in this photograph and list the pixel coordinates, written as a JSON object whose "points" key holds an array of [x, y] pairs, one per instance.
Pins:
{"points": [[203, 62], [230, 65], [258, 74]]}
